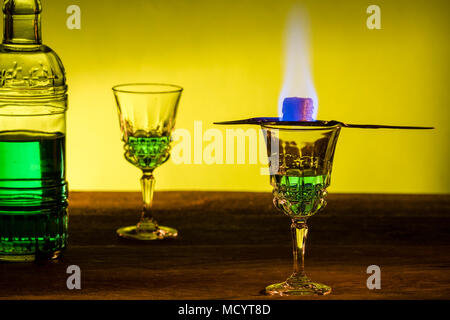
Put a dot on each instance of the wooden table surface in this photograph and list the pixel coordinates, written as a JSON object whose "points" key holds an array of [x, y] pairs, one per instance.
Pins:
{"points": [[231, 245]]}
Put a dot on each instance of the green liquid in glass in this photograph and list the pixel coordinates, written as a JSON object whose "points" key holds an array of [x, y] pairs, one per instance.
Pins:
{"points": [[147, 152], [299, 196], [33, 195]]}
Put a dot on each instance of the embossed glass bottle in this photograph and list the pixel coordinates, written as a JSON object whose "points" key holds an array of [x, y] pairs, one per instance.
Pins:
{"points": [[33, 104]]}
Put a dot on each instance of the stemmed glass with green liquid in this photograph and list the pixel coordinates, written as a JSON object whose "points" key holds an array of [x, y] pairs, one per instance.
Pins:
{"points": [[147, 113], [300, 163]]}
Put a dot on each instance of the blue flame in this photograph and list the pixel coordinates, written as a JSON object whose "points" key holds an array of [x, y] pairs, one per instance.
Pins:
{"points": [[298, 80]]}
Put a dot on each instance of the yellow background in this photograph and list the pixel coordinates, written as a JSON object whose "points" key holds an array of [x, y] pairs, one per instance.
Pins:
{"points": [[228, 57]]}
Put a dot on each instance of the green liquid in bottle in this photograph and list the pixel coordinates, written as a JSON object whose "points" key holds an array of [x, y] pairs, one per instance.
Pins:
{"points": [[33, 195]]}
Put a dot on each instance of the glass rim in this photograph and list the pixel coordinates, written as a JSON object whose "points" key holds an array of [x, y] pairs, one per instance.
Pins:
{"points": [[298, 128], [172, 88]]}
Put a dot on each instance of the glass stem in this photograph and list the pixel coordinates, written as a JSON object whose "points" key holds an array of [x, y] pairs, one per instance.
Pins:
{"points": [[147, 222], [299, 231]]}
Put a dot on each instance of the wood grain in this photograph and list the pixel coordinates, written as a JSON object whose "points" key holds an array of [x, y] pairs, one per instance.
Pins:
{"points": [[232, 245]]}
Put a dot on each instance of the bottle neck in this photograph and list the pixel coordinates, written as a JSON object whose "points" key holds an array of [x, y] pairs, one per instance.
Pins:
{"points": [[22, 29]]}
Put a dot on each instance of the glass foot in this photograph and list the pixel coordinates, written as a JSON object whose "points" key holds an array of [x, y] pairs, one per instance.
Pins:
{"points": [[298, 287], [159, 234]]}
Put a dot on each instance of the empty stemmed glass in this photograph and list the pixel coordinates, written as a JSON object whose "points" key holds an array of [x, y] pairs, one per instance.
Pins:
{"points": [[300, 160], [147, 113]]}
